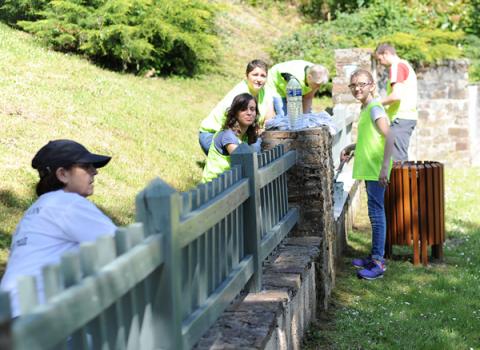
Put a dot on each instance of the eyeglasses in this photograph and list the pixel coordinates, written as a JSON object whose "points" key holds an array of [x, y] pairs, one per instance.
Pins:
{"points": [[359, 85]]}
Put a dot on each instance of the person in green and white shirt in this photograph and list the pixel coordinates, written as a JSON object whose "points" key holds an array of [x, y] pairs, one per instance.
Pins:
{"points": [[401, 99], [240, 126], [254, 84], [373, 162], [310, 76]]}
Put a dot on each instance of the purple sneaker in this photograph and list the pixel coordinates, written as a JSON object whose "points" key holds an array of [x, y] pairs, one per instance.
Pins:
{"points": [[374, 270], [362, 262]]}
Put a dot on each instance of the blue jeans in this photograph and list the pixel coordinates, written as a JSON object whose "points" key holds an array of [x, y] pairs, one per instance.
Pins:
{"points": [[280, 106], [205, 140], [376, 213]]}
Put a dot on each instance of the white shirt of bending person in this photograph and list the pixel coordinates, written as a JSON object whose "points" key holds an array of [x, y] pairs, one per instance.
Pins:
{"points": [[56, 223]]}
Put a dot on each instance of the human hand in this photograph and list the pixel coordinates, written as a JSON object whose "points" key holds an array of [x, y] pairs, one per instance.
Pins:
{"points": [[347, 153], [383, 177]]}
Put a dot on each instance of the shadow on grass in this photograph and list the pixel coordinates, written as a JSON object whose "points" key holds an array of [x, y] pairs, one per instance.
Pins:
{"points": [[418, 307]]}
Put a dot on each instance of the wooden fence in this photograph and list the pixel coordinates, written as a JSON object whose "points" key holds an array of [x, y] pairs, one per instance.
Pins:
{"points": [[164, 283]]}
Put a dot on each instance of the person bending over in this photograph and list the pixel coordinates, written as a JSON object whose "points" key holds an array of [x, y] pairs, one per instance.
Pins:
{"points": [[254, 84], [61, 218], [310, 76], [240, 126]]}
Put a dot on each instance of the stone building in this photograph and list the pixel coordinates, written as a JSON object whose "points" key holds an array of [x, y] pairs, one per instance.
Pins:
{"points": [[449, 112]]}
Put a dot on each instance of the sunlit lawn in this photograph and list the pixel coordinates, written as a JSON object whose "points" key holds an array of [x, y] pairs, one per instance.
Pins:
{"points": [[148, 126], [413, 307]]}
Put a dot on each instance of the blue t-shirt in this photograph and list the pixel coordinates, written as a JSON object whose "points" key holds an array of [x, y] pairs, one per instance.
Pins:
{"points": [[224, 138], [377, 112]]}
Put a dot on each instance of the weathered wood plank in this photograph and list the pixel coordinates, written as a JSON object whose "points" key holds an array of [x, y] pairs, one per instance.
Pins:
{"points": [[117, 277], [244, 157], [273, 237], [5, 321], [210, 213], [276, 168], [194, 327]]}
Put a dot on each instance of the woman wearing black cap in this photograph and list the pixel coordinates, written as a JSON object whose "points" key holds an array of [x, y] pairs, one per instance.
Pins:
{"points": [[61, 218]]}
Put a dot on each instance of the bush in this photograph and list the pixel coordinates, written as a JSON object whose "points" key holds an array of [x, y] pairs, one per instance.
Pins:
{"points": [[382, 21], [169, 36], [12, 11]]}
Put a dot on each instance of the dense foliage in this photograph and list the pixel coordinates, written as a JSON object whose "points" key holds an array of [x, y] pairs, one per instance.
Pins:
{"points": [[168, 36], [422, 32]]}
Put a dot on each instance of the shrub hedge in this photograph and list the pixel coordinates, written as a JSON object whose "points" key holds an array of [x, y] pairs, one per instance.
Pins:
{"points": [[422, 32], [168, 36]]}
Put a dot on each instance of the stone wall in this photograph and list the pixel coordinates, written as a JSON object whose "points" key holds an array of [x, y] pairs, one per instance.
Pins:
{"points": [[310, 189], [278, 316], [300, 275], [444, 131]]}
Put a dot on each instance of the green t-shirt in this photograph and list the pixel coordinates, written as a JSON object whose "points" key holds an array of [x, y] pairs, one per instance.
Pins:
{"points": [[217, 163], [277, 84], [215, 120], [370, 146]]}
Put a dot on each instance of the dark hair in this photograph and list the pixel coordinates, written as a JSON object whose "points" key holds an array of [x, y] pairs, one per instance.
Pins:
{"points": [[256, 64], [385, 47], [239, 104], [49, 181]]}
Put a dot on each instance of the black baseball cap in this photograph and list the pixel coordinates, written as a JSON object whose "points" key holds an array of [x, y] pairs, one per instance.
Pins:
{"points": [[64, 153]]}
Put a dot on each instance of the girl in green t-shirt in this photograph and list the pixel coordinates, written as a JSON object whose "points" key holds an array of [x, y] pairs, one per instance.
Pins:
{"points": [[373, 153], [241, 125]]}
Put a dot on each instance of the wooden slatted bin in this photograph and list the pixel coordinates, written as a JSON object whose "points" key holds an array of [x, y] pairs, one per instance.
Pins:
{"points": [[414, 206]]}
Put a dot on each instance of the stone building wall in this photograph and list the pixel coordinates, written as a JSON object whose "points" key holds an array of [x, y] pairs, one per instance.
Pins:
{"points": [[443, 126], [444, 131]]}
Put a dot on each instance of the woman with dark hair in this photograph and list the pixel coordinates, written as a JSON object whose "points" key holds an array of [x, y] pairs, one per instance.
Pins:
{"points": [[61, 218], [254, 84], [241, 125]]}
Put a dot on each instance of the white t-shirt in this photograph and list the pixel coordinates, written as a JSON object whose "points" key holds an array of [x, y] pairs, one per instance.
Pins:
{"points": [[57, 222]]}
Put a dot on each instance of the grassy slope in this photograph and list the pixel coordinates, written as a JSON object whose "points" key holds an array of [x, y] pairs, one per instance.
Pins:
{"points": [[413, 307], [149, 126]]}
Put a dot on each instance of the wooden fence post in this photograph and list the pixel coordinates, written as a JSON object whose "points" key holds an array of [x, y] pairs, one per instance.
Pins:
{"points": [[5, 321], [247, 159], [158, 207]]}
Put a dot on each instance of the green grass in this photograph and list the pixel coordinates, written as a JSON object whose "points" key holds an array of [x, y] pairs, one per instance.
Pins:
{"points": [[412, 307], [149, 126]]}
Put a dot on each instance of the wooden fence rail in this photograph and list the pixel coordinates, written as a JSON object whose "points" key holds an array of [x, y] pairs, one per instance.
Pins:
{"points": [[161, 283]]}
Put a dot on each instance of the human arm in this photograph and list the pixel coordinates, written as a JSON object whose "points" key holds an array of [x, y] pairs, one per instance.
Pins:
{"points": [[383, 126], [226, 142], [84, 222], [308, 101], [398, 74], [347, 152], [394, 95], [231, 147], [270, 112]]}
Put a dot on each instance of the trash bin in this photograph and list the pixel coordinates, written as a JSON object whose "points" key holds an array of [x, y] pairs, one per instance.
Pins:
{"points": [[414, 206]]}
